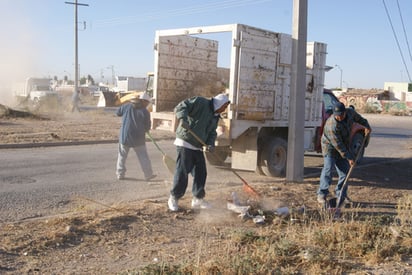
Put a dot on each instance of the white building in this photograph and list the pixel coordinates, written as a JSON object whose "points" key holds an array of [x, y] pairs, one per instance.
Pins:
{"points": [[129, 83], [401, 91]]}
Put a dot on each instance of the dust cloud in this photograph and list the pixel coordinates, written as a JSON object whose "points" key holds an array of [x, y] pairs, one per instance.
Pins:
{"points": [[17, 52]]}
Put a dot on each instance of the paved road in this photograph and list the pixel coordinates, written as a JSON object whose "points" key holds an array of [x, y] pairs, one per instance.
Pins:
{"points": [[44, 181], [391, 138], [37, 182]]}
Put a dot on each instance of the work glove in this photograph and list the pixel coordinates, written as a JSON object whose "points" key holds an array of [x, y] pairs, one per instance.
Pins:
{"points": [[209, 148]]}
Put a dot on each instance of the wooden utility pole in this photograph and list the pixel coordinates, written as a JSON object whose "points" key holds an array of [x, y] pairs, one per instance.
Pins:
{"points": [[75, 97], [295, 158]]}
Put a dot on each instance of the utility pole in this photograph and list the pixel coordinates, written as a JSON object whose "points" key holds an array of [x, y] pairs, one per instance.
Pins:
{"points": [[295, 157], [113, 76], [75, 98]]}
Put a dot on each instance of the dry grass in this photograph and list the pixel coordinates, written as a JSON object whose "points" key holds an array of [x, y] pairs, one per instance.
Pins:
{"points": [[405, 210], [146, 239], [315, 245]]}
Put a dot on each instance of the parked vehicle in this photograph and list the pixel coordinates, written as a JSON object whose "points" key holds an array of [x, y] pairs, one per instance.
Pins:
{"points": [[96, 91], [36, 91], [254, 131]]}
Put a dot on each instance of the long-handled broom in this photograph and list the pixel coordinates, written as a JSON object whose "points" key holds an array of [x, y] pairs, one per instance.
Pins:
{"points": [[335, 204], [168, 161]]}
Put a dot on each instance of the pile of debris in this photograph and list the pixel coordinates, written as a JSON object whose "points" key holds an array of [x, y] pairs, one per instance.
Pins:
{"points": [[9, 112], [259, 213]]}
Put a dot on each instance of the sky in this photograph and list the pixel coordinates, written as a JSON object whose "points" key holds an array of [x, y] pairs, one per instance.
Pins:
{"points": [[116, 37]]}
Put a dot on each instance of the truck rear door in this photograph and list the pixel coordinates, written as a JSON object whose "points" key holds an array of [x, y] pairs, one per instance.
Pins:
{"points": [[258, 57], [183, 64]]}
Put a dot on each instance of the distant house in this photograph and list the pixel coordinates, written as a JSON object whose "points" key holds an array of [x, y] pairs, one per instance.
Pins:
{"points": [[129, 83], [364, 100], [401, 91]]}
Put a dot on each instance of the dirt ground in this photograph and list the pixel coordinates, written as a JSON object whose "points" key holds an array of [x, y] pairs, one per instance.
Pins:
{"points": [[55, 127], [109, 239]]}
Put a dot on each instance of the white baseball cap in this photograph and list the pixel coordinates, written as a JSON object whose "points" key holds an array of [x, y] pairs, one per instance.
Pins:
{"points": [[219, 100], [145, 96]]}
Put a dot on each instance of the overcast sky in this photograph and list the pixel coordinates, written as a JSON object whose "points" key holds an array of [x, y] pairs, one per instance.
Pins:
{"points": [[38, 35]]}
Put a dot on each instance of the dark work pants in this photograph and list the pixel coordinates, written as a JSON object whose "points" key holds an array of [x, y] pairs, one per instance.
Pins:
{"points": [[189, 162]]}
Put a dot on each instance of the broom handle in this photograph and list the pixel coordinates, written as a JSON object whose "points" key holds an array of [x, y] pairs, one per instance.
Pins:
{"points": [[350, 170], [196, 137], [154, 142], [204, 144]]}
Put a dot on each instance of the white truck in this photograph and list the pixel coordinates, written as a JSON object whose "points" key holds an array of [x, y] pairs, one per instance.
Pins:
{"points": [[35, 91], [254, 131]]}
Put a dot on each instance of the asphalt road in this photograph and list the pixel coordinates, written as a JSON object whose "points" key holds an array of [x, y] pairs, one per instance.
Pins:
{"points": [[37, 182]]}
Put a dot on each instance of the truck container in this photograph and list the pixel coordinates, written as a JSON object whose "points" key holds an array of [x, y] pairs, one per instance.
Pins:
{"points": [[254, 130]]}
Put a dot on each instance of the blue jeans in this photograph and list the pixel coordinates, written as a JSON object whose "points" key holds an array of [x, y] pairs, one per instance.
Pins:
{"points": [[189, 162], [142, 156], [342, 167]]}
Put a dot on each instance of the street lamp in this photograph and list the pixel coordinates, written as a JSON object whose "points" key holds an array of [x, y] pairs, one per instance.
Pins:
{"points": [[341, 72]]}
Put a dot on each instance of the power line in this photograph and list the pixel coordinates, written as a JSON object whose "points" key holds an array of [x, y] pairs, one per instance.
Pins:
{"points": [[202, 8], [404, 30], [397, 41]]}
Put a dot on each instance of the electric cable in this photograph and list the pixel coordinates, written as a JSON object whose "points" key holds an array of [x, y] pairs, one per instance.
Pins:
{"points": [[397, 41], [404, 30], [150, 16]]}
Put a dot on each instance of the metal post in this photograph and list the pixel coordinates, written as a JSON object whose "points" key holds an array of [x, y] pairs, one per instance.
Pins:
{"points": [[76, 59], [76, 52], [295, 157], [113, 76]]}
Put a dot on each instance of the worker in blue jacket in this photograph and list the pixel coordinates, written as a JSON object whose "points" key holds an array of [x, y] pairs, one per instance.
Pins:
{"points": [[135, 123], [201, 116]]}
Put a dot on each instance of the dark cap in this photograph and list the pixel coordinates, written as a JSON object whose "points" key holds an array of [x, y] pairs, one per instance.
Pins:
{"points": [[339, 109]]}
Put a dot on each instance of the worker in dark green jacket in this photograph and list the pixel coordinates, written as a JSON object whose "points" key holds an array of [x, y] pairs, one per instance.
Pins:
{"points": [[199, 115]]}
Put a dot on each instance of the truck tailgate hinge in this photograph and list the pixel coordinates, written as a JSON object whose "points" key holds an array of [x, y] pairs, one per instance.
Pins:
{"points": [[236, 43]]}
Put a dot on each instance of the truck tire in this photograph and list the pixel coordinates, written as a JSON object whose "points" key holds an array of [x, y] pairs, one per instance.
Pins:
{"points": [[219, 156], [273, 157], [355, 145]]}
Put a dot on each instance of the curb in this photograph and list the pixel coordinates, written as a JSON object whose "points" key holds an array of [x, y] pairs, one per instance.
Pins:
{"points": [[55, 144], [63, 143]]}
